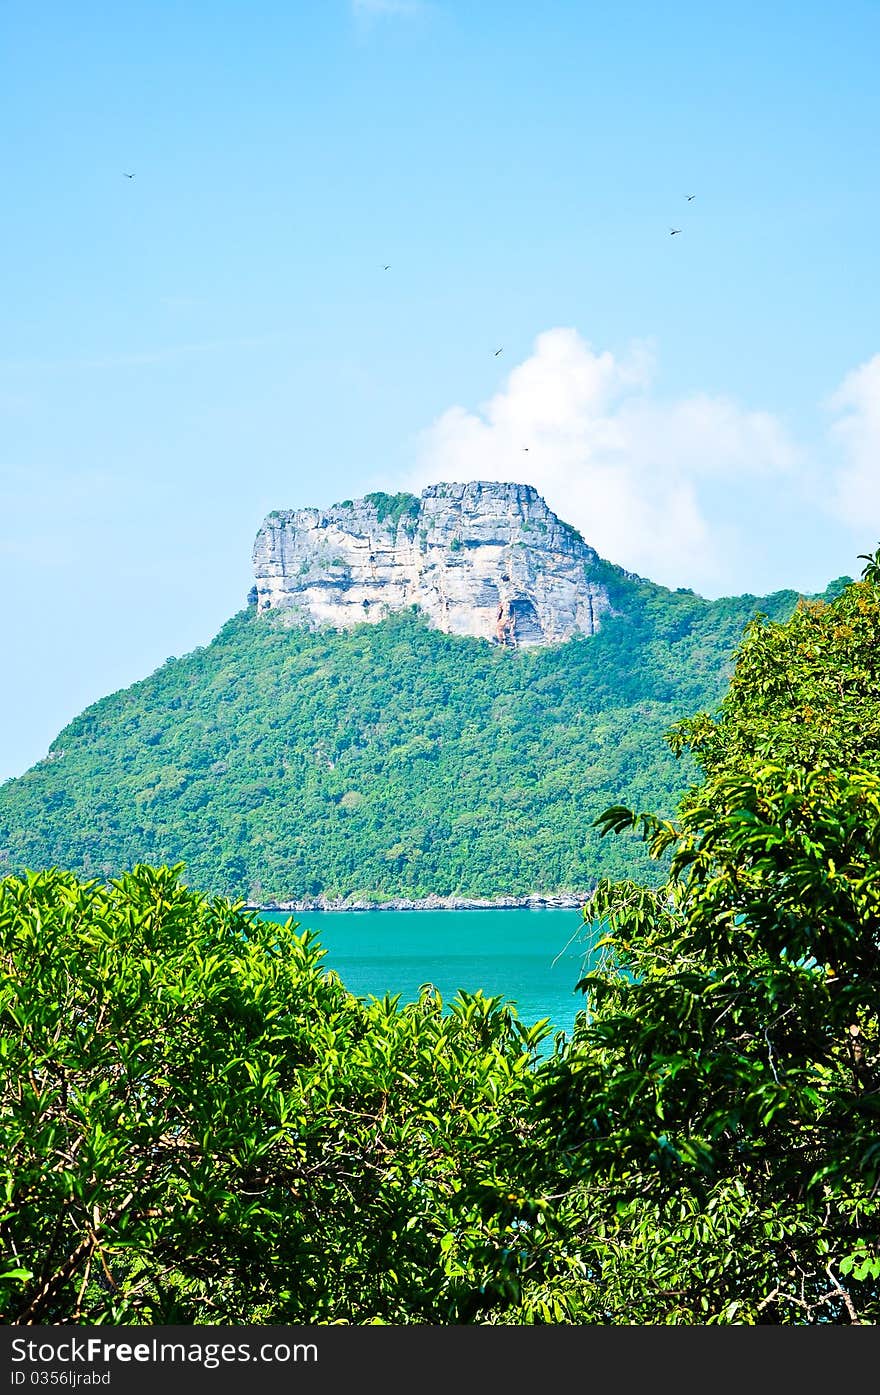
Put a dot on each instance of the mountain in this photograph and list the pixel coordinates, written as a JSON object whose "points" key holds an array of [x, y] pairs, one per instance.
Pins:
{"points": [[482, 559], [456, 736]]}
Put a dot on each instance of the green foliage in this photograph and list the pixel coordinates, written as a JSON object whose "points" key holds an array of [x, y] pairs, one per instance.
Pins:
{"points": [[479, 770], [394, 508], [714, 1129], [803, 693], [200, 1125]]}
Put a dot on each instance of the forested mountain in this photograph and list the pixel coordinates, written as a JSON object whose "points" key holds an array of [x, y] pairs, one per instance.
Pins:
{"points": [[284, 762]]}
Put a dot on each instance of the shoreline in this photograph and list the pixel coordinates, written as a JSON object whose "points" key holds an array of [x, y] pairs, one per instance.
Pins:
{"points": [[534, 901]]}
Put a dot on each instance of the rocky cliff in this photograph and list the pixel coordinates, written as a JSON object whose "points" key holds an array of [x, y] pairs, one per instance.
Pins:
{"points": [[483, 559]]}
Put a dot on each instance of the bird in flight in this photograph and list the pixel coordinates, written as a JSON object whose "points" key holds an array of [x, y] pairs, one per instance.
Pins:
{"points": [[387, 268], [127, 175], [498, 351], [525, 447], [673, 231], [690, 196]]}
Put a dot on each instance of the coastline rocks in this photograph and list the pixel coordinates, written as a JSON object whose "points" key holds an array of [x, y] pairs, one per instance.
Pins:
{"points": [[550, 900], [483, 559]]}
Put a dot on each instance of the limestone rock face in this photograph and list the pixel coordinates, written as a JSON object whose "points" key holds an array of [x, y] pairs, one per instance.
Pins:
{"points": [[482, 559]]}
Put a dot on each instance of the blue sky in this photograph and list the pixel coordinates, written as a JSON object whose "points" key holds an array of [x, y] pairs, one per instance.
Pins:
{"points": [[185, 350]]}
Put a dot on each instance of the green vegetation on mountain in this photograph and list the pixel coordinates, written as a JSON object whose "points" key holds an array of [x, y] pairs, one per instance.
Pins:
{"points": [[394, 507], [280, 763]]}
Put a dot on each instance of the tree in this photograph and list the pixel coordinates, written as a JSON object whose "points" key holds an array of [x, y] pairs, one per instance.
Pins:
{"points": [[714, 1128], [199, 1124], [803, 692]]}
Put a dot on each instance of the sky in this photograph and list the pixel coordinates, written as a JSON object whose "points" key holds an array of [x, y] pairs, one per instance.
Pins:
{"points": [[339, 211]]}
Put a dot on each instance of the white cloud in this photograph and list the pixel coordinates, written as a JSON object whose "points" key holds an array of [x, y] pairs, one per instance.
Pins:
{"points": [[856, 433], [640, 477]]}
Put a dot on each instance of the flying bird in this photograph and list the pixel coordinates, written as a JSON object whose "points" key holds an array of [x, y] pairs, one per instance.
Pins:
{"points": [[673, 231], [127, 175], [387, 268], [498, 351], [690, 196]]}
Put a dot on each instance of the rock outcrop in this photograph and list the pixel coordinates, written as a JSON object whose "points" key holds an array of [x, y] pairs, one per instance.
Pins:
{"points": [[529, 901], [483, 559]]}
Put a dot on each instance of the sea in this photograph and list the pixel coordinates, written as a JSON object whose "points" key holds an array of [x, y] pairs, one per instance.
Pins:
{"points": [[531, 958]]}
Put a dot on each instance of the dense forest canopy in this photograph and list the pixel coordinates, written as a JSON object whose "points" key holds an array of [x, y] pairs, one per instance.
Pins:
{"points": [[282, 763]]}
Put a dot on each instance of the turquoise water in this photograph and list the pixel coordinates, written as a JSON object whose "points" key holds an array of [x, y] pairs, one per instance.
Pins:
{"points": [[532, 958]]}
